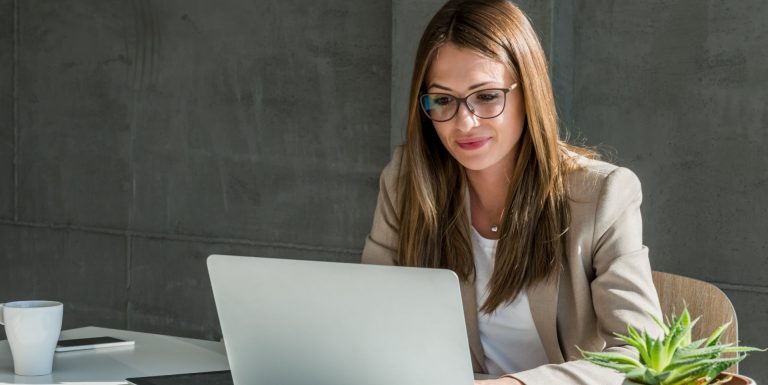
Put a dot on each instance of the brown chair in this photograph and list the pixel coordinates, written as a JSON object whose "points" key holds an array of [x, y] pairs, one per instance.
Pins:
{"points": [[704, 300]]}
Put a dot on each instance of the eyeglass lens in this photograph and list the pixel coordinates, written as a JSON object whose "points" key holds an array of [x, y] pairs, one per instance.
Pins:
{"points": [[485, 104]]}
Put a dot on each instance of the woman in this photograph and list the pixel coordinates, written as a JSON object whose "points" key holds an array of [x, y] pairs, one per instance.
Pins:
{"points": [[547, 241]]}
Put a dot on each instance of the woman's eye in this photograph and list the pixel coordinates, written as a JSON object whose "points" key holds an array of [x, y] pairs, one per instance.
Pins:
{"points": [[442, 100], [487, 97]]}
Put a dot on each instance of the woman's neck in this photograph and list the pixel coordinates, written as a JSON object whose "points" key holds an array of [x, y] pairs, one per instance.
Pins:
{"points": [[488, 195], [489, 189]]}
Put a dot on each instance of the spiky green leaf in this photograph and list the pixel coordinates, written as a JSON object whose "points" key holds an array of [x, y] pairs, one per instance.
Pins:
{"points": [[695, 344], [742, 349], [642, 347], [714, 338], [659, 358], [718, 367], [664, 328], [639, 345], [701, 353], [678, 339], [645, 376], [617, 358], [700, 369]]}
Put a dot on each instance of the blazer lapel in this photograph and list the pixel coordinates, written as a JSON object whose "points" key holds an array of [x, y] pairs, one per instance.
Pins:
{"points": [[542, 299], [469, 301]]}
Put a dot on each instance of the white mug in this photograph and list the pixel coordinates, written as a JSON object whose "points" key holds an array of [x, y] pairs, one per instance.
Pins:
{"points": [[33, 329]]}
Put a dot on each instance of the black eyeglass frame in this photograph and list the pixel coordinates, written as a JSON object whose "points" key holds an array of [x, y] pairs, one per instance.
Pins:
{"points": [[463, 100]]}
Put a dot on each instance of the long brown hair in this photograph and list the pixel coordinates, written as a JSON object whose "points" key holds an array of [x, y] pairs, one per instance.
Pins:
{"points": [[434, 225]]}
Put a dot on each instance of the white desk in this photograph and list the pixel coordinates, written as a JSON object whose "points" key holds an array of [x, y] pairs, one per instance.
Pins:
{"points": [[153, 354]]}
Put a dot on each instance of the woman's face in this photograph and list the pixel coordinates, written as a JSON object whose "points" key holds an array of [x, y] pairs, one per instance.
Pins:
{"points": [[478, 144]]}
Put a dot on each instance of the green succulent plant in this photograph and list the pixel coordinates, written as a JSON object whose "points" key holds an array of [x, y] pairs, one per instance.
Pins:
{"points": [[673, 359]]}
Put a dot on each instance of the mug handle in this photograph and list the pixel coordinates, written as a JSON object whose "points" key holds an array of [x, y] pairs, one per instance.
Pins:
{"points": [[2, 318]]}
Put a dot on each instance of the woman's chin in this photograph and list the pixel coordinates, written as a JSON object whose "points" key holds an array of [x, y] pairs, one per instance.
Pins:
{"points": [[481, 162], [475, 164]]}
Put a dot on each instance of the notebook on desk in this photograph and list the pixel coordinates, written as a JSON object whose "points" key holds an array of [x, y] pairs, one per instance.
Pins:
{"points": [[323, 323]]}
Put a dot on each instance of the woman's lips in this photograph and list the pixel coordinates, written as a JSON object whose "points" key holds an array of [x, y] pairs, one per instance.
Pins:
{"points": [[472, 143]]}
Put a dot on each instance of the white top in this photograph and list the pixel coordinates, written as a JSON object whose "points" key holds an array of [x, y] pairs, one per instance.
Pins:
{"points": [[509, 337]]}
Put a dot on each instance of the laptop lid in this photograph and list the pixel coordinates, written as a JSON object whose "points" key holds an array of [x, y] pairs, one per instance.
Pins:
{"points": [[324, 323]]}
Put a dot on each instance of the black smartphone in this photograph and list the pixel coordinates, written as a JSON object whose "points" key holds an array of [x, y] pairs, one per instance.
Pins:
{"points": [[223, 377], [90, 343]]}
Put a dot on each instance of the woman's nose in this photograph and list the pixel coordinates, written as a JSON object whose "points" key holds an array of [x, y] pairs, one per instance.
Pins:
{"points": [[465, 118]]}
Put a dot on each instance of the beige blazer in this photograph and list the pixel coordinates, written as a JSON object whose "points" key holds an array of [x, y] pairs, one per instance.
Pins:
{"points": [[605, 284]]}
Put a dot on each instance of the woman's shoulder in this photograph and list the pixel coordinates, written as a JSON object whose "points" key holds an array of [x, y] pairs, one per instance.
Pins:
{"points": [[392, 169], [392, 173], [589, 178]]}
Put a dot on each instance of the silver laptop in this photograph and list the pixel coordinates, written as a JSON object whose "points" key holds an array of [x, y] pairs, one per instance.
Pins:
{"points": [[290, 322]]}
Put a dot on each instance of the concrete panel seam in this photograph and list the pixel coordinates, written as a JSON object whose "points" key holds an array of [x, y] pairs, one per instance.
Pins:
{"points": [[183, 237], [552, 28], [744, 288], [393, 136], [561, 55], [128, 253], [15, 109], [141, 25]]}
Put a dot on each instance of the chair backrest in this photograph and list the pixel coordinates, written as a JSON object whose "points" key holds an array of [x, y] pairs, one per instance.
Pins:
{"points": [[703, 299]]}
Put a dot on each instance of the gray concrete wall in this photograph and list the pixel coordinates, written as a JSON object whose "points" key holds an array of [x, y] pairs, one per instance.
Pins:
{"points": [[676, 91], [150, 134]]}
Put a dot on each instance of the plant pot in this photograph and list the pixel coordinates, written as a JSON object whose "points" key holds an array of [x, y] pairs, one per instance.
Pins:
{"points": [[738, 379]]}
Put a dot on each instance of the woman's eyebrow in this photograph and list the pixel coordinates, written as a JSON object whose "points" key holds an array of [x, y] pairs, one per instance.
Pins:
{"points": [[435, 85]]}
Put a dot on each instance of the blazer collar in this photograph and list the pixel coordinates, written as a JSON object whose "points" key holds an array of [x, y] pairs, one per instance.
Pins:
{"points": [[473, 333], [542, 299]]}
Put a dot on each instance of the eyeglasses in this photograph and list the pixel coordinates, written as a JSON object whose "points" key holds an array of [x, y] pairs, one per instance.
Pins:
{"points": [[485, 104]]}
